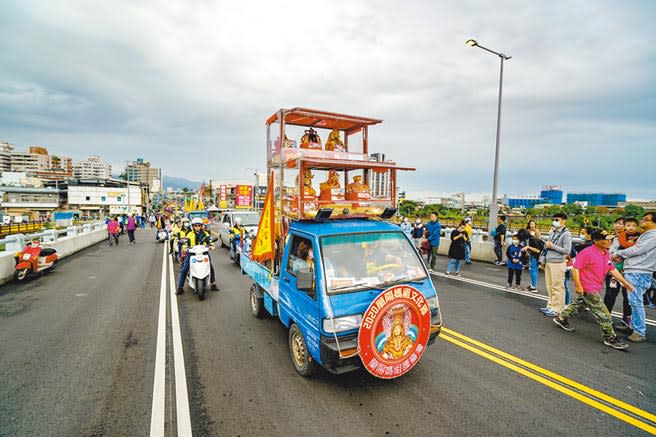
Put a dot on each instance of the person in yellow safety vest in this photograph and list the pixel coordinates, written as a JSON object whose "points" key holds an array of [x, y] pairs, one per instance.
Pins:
{"points": [[197, 236], [238, 229], [175, 231]]}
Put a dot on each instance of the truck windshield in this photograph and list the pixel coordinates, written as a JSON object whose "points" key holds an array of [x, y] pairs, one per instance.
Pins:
{"points": [[248, 219], [370, 260]]}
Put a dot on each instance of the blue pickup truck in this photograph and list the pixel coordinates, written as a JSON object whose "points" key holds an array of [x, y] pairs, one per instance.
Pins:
{"points": [[353, 293]]}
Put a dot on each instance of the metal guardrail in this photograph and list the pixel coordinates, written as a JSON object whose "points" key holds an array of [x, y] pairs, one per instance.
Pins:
{"points": [[16, 242]]}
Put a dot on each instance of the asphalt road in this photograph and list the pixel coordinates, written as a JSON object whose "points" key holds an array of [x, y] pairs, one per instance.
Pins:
{"points": [[78, 354]]}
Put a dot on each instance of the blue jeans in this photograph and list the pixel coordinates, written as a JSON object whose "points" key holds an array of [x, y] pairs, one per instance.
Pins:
{"points": [[468, 252], [568, 274], [641, 282], [533, 269], [497, 250], [453, 263]]}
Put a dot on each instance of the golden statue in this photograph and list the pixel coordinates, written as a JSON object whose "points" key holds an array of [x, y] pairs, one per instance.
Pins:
{"points": [[308, 191], [331, 188], [310, 140], [357, 186], [334, 143], [398, 343]]}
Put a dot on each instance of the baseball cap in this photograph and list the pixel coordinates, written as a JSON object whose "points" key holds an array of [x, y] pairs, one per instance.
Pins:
{"points": [[601, 235]]}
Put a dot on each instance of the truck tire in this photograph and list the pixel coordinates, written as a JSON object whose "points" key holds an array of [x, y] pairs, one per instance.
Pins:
{"points": [[257, 303], [301, 359]]}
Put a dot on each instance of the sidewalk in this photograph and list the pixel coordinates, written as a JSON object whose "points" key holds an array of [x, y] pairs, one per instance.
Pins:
{"points": [[496, 276]]}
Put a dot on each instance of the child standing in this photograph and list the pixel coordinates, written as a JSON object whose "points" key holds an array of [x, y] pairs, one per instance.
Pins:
{"points": [[514, 263], [589, 273]]}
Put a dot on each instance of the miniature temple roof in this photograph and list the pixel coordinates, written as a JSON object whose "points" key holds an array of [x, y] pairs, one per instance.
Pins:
{"points": [[322, 119]]}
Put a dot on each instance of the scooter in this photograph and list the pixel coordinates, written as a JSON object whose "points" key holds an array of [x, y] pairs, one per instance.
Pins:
{"points": [[34, 259], [199, 270], [162, 235], [236, 246]]}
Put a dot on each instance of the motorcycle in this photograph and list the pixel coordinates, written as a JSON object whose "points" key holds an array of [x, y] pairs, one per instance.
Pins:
{"points": [[199, 270], [162, 235], [236, 245], [34, 259]]}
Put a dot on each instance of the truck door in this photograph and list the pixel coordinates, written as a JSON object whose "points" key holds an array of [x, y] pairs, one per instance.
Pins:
{"points": [[302, 305]]}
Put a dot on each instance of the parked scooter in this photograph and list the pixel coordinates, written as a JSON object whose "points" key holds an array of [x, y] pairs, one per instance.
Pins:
{"points": [[34, 259], [162, 235]]}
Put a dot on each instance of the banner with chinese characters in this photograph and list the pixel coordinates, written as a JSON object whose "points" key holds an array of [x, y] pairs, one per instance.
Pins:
{"points": [[263, 247], [394, 332], [223, 196], [243, 196]]}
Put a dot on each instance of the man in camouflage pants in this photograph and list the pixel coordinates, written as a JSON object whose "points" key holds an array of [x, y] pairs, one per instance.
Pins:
{"points": [[589, 274]]}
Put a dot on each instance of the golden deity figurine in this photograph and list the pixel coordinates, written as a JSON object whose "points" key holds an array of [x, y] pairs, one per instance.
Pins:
{"points": [[398, 343], [310, 140], [334, 143], [307, 184], [357, 186], [331, 188]]}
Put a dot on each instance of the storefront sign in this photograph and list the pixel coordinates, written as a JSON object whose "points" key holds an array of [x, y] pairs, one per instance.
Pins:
{"points": [[223, 196], [243, 196]]}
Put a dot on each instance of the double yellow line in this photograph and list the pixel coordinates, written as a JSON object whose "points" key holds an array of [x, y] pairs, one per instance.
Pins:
{"points": [[601, 401]]}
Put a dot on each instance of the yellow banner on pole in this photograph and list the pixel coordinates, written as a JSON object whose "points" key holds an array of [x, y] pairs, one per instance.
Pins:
{"points": [[263, 246]]}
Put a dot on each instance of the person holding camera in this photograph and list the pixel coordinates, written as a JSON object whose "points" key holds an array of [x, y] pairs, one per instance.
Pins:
{"points": [[554, 258]]}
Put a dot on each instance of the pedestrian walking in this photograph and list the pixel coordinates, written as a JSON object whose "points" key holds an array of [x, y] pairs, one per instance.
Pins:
{"points": [[434, 231], [406, 227], [113, 228], [131, 226], [534, 247], [152, 219], [556, 249], [499, 234], [457, 250], [418, 233], [470, 231], [639, 266], [589, 272], [514, 263]]}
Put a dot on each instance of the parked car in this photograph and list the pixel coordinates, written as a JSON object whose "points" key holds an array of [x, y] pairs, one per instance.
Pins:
{"points": [[249, 219]]}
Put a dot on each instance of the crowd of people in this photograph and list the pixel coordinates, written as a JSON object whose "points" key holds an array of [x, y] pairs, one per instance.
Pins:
{"points": [[622, 263]]}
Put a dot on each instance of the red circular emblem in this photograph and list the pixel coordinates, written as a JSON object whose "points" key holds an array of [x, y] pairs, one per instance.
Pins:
{"points": [[394, 332]]}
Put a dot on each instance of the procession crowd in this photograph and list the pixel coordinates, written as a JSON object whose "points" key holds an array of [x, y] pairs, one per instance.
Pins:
{"points": [[623, 263]]}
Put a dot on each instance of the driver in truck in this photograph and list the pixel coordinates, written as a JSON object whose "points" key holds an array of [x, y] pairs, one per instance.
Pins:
{"points": [[196, 236]]}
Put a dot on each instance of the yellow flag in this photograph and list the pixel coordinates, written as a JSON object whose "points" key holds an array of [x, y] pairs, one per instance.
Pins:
{"points": [[201, 205], [263, 247]]}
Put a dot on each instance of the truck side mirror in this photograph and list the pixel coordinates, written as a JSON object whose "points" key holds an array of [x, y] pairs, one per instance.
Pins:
{"points": [[305, 281]]}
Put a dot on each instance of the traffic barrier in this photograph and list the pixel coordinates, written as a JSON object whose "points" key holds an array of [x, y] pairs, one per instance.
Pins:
{"points": [[74, 240]]}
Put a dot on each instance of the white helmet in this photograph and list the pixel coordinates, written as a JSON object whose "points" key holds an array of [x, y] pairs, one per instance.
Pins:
{"points": [[197, 221], [237, 221]]}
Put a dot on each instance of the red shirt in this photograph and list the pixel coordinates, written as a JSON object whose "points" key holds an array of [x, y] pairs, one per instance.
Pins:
{"points": [[593, 265]]}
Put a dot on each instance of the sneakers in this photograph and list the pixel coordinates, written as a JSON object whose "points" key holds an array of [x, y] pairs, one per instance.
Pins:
{"points": [[637, 338], [544, 309], [500, 263], [179, 291], [563, 324], [615, 343], [456, 274], [550, 313], [213, 287], [517, 287], [620, 327], [447, 273], [508, 287], [531, 289]]}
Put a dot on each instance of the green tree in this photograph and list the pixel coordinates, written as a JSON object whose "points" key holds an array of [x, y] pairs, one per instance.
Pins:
{"points": [[185, 190], [408, 208], [633, 210]]}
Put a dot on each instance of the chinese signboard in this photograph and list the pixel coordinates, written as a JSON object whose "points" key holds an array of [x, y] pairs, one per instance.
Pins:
{"points": [[223, 196], [243, 196]]}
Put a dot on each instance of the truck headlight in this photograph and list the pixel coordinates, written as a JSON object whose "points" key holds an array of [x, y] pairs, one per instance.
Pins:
{"points": [[341, 324]]}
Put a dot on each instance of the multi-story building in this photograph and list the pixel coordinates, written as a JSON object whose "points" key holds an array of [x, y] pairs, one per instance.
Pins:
{"points": [[34, 203], [38, 162], [552, 194], [141, 171], [522, 201], [101, 197], [93, 167], [6, 150], [379, 183], [597, 199]]}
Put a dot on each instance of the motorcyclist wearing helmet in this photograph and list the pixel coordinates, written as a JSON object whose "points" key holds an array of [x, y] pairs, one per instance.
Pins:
{"points": [[175, 234], [196, 236], [237, 229]]}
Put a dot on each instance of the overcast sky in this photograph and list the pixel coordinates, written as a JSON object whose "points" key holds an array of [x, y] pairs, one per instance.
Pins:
{"points": [[188, 85]]}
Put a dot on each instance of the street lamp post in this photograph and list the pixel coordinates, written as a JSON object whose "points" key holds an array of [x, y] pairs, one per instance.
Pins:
{"points": [[494, 209]]}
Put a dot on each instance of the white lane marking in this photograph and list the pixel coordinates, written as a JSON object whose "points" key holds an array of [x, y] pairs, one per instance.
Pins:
{"points": [[157, 415], [523, 293], [181, 396]]}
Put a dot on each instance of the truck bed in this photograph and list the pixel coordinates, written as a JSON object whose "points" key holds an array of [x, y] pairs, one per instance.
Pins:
{"points": [[261, 275]]}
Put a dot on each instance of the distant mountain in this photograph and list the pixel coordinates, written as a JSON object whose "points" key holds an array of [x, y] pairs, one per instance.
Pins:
{"points": [[179, 183]]}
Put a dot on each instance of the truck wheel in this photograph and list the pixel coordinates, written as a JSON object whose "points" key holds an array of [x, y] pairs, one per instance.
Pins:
{"points": [[301, 359], [200, 288], [21, 274], [257, 303]]}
